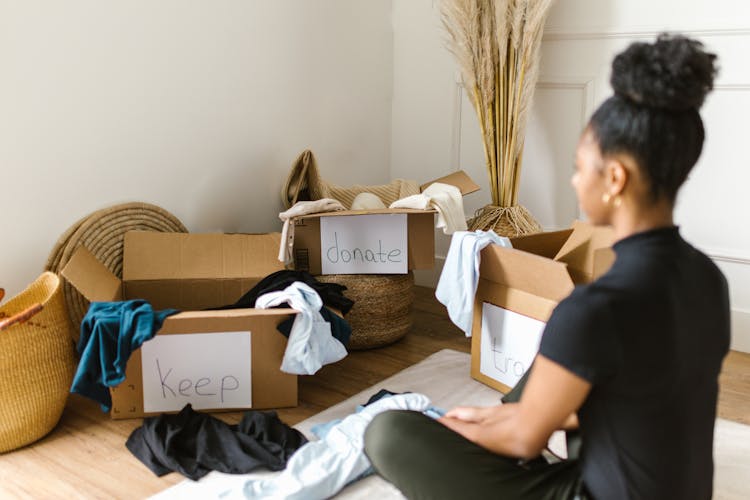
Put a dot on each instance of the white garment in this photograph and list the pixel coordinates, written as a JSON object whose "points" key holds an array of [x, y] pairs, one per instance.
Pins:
{"points": [[367, 201], [444, 198], [311, 344], [458, 281], [301, 208], [320, 469]]}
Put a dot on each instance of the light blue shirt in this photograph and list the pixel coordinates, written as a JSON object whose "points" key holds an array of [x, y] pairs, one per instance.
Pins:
{"points": [[458, 281], [311, 344]]}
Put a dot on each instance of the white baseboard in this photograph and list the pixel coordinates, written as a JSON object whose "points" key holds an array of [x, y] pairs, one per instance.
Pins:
{"points": [[740, 318]]}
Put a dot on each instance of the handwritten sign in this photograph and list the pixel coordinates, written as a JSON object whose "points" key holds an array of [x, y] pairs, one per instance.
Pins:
{"points": [[208, 370], [509, 343], [364, 244]]}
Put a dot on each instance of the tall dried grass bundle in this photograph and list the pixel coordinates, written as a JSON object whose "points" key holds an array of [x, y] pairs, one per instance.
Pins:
{"points": [[496, 44]]}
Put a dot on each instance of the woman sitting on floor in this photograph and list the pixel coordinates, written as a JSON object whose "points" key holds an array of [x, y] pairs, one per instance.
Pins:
{"points": [[634, 357]]}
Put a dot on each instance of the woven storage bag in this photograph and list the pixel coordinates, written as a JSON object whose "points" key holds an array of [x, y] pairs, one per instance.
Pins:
{"points": [[382, 306], [36, 364]]}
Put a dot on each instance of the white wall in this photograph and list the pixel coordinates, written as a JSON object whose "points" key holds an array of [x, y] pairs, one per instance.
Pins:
{"points": [[199, 107], [435, 129]]}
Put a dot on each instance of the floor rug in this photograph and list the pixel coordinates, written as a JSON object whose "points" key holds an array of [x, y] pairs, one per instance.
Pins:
{"points": [[444, 378]]}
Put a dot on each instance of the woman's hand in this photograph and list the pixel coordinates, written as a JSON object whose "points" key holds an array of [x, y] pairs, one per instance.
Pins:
{"points": [[471, 421], [474, 414], [549, 402]]}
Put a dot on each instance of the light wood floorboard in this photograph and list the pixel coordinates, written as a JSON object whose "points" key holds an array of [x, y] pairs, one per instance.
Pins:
{"points": [[85, 456]]}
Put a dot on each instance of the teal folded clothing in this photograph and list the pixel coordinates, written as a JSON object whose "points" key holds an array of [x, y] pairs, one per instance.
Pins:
{"points": [[110, 332]]}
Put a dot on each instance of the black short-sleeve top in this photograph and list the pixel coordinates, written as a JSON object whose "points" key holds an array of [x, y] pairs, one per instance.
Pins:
{"points": [[650, 336]]}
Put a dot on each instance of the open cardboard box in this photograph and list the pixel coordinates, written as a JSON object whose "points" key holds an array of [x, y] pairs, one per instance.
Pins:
{"points": [[518, 289], [192, 272], [329, 239]]}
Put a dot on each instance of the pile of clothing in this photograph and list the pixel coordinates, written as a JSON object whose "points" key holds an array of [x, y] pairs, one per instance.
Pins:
{"points": [[193, 443], [318, 335]]}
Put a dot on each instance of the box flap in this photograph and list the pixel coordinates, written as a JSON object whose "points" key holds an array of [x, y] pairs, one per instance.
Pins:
{"points": [[524, 271], [460, 179], [374, 211], [282, 312], [91, 277], [544, 244], [578, 251], [152, 255]]}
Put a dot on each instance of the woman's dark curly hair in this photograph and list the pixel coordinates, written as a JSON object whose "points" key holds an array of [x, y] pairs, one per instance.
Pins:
{"points": [[653, 115]]}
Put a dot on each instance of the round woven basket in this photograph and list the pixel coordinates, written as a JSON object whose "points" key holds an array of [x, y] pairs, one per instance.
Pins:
{"points": [[382, 307], [102, 233], [37, 364]]}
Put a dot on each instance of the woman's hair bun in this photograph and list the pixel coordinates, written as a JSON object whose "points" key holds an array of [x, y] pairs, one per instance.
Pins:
{"points": [[672, 73]]}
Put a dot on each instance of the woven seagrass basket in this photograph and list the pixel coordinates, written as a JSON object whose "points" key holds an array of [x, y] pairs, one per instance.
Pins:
{"points": [[102, 233], [382, 307], [36, 364]]}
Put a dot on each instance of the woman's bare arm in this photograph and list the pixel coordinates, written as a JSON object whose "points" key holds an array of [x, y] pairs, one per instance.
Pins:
{"points": [[549, 402]]}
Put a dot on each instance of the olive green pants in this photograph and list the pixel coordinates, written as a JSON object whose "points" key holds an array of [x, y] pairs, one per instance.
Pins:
{"points": [[425, 459]]}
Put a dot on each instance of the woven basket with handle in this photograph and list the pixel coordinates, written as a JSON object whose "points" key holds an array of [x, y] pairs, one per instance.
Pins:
{"points": [[36, 362]]}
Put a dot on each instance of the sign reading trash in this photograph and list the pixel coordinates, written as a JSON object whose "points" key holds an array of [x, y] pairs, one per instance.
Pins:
{"points": [[206, 370], [364, 244], [509, 343]]}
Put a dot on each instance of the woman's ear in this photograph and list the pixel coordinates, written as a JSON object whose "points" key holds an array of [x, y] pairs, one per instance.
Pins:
{"points": [[616, 176]]}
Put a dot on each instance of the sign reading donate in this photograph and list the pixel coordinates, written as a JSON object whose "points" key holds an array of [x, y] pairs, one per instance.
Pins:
{"points": [[509, 343], [364, 244], [207, 370]]}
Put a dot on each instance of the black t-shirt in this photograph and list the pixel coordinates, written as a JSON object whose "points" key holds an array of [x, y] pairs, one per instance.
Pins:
{"points": [[650, 336]]}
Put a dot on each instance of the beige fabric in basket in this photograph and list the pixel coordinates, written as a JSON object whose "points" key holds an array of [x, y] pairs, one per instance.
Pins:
{"points": [[304, 183]]}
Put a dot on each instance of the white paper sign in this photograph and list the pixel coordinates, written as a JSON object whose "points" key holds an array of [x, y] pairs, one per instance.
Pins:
{"points": [[364, 244], [208, 370], [509, 343]]}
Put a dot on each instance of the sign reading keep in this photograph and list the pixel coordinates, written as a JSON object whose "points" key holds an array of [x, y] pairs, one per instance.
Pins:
{"points": [[207, 370]]}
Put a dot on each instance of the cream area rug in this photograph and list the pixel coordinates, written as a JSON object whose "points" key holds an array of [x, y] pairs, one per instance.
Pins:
{"points": [[444, 378]]}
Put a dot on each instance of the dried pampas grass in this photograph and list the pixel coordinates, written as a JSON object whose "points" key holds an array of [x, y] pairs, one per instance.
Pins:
{"points": [[496, 44]]}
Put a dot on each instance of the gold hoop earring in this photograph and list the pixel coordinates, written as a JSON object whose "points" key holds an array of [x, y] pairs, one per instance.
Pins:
{"points": [[606, 198], [617, 201]]}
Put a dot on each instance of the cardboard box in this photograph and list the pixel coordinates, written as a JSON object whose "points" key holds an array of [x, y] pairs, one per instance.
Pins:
{"points": [[376, 239], [195, 271], [518, 289]]}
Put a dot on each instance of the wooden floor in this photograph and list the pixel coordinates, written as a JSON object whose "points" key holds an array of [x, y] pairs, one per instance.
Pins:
{"points": [[85, 456]]}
